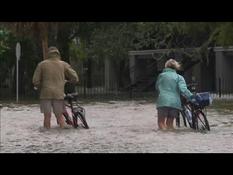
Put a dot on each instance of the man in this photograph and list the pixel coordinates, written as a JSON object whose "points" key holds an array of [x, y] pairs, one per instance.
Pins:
{"points": [[50, 77]]}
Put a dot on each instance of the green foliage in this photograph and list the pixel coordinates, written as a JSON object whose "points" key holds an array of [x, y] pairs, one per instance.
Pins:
{"points": [[7, 49], [111, 41], [7, 59], [78, 51], [27, 63], [225, 36], [4, 41], [97, 41]]}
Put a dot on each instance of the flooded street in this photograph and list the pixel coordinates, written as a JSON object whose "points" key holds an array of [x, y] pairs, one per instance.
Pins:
{"points": [[115, 127]]}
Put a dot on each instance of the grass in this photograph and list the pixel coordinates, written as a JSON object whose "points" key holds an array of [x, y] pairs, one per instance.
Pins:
{"points": [[86, 100], [219, 105], [225, 106]]}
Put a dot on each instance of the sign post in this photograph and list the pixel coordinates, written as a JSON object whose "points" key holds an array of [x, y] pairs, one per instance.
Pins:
{"points": [[18, 53]]}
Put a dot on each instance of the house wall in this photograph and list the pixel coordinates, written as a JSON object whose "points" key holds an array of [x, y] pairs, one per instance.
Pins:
{"points": [[132, 68], [110, 75], [224, 70], [206, 74]]}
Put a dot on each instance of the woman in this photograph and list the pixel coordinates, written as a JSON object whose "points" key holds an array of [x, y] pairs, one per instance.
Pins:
{"points": [[170, 86]]}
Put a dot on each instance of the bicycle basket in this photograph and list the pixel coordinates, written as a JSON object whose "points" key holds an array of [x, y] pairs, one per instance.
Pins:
{"points": [[203, 99]]}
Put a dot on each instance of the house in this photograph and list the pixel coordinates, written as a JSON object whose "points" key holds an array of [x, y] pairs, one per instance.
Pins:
{"points": [[145, 66], [210, 74], [224, 69]]}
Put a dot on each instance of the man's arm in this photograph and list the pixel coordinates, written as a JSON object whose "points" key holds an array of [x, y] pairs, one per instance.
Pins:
{"points": [[36, 80], [70, 74]]}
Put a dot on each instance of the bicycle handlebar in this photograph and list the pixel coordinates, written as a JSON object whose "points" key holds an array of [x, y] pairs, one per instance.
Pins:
{"points": [[71, 96], [192, 84]]}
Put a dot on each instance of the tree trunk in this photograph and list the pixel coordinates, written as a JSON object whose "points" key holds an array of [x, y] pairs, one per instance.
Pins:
{"points": [[45, 47], [43, 29], [63, 42]]}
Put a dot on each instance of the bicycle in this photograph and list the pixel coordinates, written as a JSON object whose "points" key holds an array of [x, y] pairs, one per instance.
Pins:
{"points": [[193, 114], [77, 111]]}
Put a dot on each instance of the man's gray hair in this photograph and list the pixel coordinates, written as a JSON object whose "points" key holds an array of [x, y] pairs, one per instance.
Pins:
{"points": [[53, 49]]}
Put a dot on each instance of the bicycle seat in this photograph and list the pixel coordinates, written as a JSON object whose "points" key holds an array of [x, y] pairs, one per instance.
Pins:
{"points": [[71, 97]]}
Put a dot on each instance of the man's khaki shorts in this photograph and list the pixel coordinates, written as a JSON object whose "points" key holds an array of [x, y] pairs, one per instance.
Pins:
{"points": [[58, 106]]}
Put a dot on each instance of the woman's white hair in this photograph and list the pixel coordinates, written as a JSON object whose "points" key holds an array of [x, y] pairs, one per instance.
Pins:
{"points": [[171, 63]]}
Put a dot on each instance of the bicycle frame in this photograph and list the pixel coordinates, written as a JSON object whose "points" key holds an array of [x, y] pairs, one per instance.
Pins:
{"points": [[76, 111], [185, 118], [195, 111], [67, 116]]}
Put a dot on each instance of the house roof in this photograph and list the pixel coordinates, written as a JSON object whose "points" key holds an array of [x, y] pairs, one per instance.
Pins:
{"points": [[149, 52], [223, 49], [157, 51]]}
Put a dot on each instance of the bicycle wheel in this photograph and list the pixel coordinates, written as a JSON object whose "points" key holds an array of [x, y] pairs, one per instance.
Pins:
{"points": [[67, 118], [200, 121], [83, 120], [185, 119], [75, 121], [178, 121]]}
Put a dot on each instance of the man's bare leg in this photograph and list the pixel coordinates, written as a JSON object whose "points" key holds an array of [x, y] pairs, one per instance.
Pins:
{"points": [[47, 120], [60, 120]]}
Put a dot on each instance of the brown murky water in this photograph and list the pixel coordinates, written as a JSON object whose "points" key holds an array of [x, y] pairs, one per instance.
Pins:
{"points": [[115, 127]]}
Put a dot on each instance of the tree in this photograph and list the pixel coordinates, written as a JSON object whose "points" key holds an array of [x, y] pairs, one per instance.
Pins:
{"points": [[37, 30], [7, 60], [113, 41], [66, 32]]}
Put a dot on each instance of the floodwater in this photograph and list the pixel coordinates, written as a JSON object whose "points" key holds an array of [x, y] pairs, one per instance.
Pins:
{"points": [[115, 127]]}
